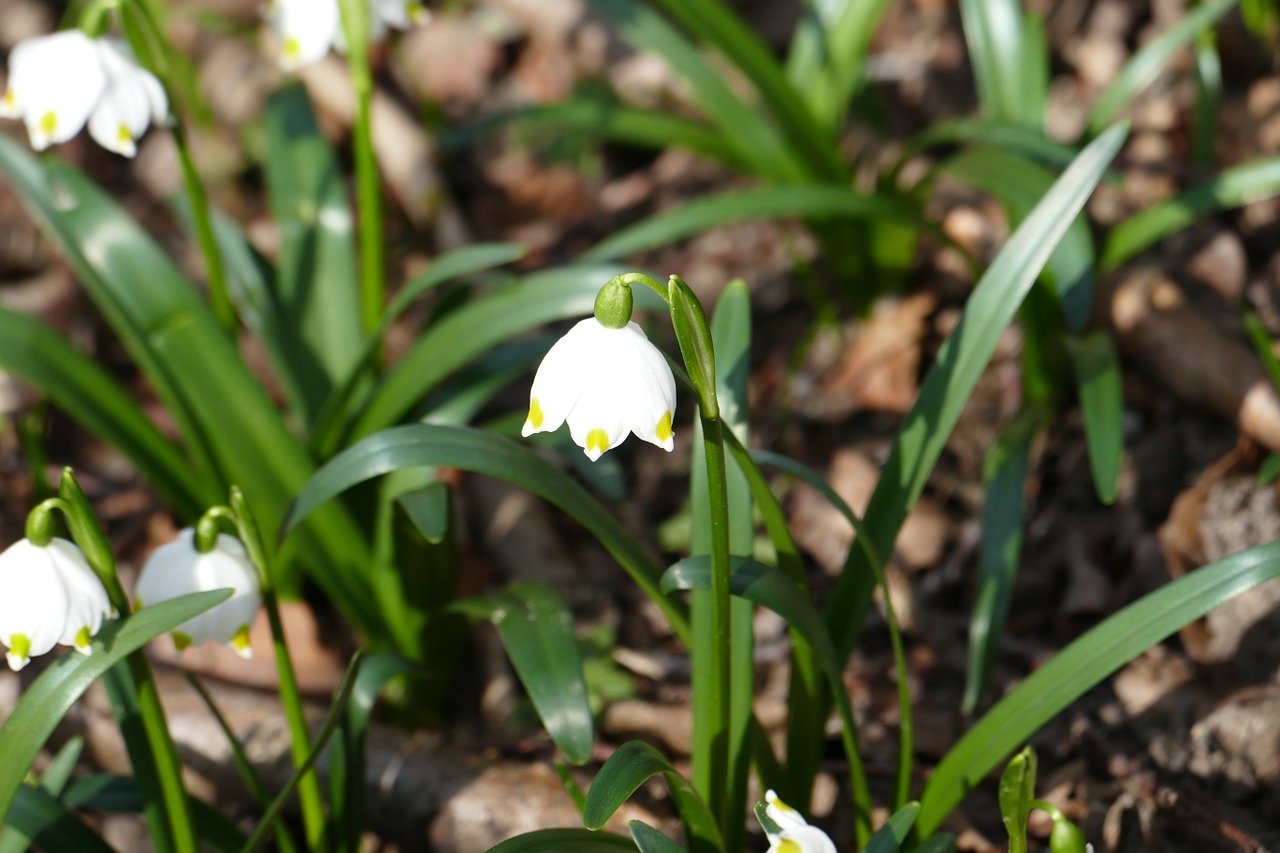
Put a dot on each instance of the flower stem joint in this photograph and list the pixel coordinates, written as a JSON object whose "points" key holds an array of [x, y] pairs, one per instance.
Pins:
{"points": [[606, 380]]}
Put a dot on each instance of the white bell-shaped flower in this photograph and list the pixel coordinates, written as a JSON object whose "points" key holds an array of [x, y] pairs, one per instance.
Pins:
{"points": [[306, 29], [177, 568], [59, 82], [605, 383], [796, 835], [48, 595]]}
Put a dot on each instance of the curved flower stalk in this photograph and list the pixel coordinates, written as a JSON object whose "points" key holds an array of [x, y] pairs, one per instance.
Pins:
{"points": [[180, 567], [48, 595], [607, 380], [794, 834], [307, 29], [59, 82]]}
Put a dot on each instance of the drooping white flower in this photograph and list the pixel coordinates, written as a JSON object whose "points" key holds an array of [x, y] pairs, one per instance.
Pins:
{"points": [[605, 383], [307, 29], [796, 835], [48, 595], [59, 82], [177, 568]]}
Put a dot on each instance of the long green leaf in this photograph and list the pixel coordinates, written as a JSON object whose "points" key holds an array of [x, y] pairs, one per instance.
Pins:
{"points": [[452, 265], [565, 841], [826, 61], [1147, 63], [1004, 478], [1028, 142], [18, 835], [1082, 665], [475, 328], [951, 380], [109, 792], [756, 140], [1231, 188], [1019, 184], [473, 450], [536, 628], [1097, 369], [316, 283], [630, 766], [37, 817], [769, 587], [89, 394], [996, 32], [810, 202], [48, 699]]}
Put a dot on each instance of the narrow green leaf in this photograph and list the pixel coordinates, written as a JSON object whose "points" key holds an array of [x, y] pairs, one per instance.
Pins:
{"points": [[891, 836], [1147, 63], [1017, 790], [995, 32], [316, 281], [1020, 184], [1097, 369], [21, 832], [943, 842], [1027, 142], [1204, 117], [809, 202], [650, 840], [347, 765], [1083, 664], [36, 816], [1269, 470], [90, 395], [826, 62], [109, 792], [48, 699], [1231, 188], [951, 380], [332, 719], [564, 841], [536, 629], [756, 140], [630, 766], [1004, 479], [473, 450]]}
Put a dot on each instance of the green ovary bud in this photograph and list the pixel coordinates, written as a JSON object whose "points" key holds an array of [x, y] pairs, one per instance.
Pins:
{"points": [[1066, 837], [613, 305]]}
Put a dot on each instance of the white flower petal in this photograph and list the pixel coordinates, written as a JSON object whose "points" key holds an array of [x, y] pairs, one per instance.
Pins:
{"points": [[178, 569], [132, 99], [559, 380], [306, 30], [652, 390], [33, 600], [804, 839], [87, 601], [56, 81]]}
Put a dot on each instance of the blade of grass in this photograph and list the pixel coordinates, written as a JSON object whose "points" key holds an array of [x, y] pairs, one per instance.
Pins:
{"points": [[1148, 62], [1231, 188], [1083, 664]]}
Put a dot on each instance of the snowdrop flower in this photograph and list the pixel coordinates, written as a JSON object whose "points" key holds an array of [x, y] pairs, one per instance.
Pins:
{"points": [[606, 381], [48, 595], [796, 835], [178, 568], [307, 29], [58, 82]]}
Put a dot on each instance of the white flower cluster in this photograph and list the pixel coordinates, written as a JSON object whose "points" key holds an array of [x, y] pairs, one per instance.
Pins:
{"points": [[59, 82], [48, 595], [307, 29]]}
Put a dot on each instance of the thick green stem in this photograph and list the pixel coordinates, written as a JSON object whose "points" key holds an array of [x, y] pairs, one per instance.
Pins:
{"points": [[309, 795], [720, 713], [355, 17], [219, 296]]}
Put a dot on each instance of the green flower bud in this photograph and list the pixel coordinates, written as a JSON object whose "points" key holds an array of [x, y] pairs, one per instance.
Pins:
{"points": [[613, 305]]}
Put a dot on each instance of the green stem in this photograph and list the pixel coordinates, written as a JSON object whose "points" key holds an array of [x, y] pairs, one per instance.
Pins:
{"points": [[313, 818], [720, 715], [355, 17], [218, 293], [164, 755]]}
